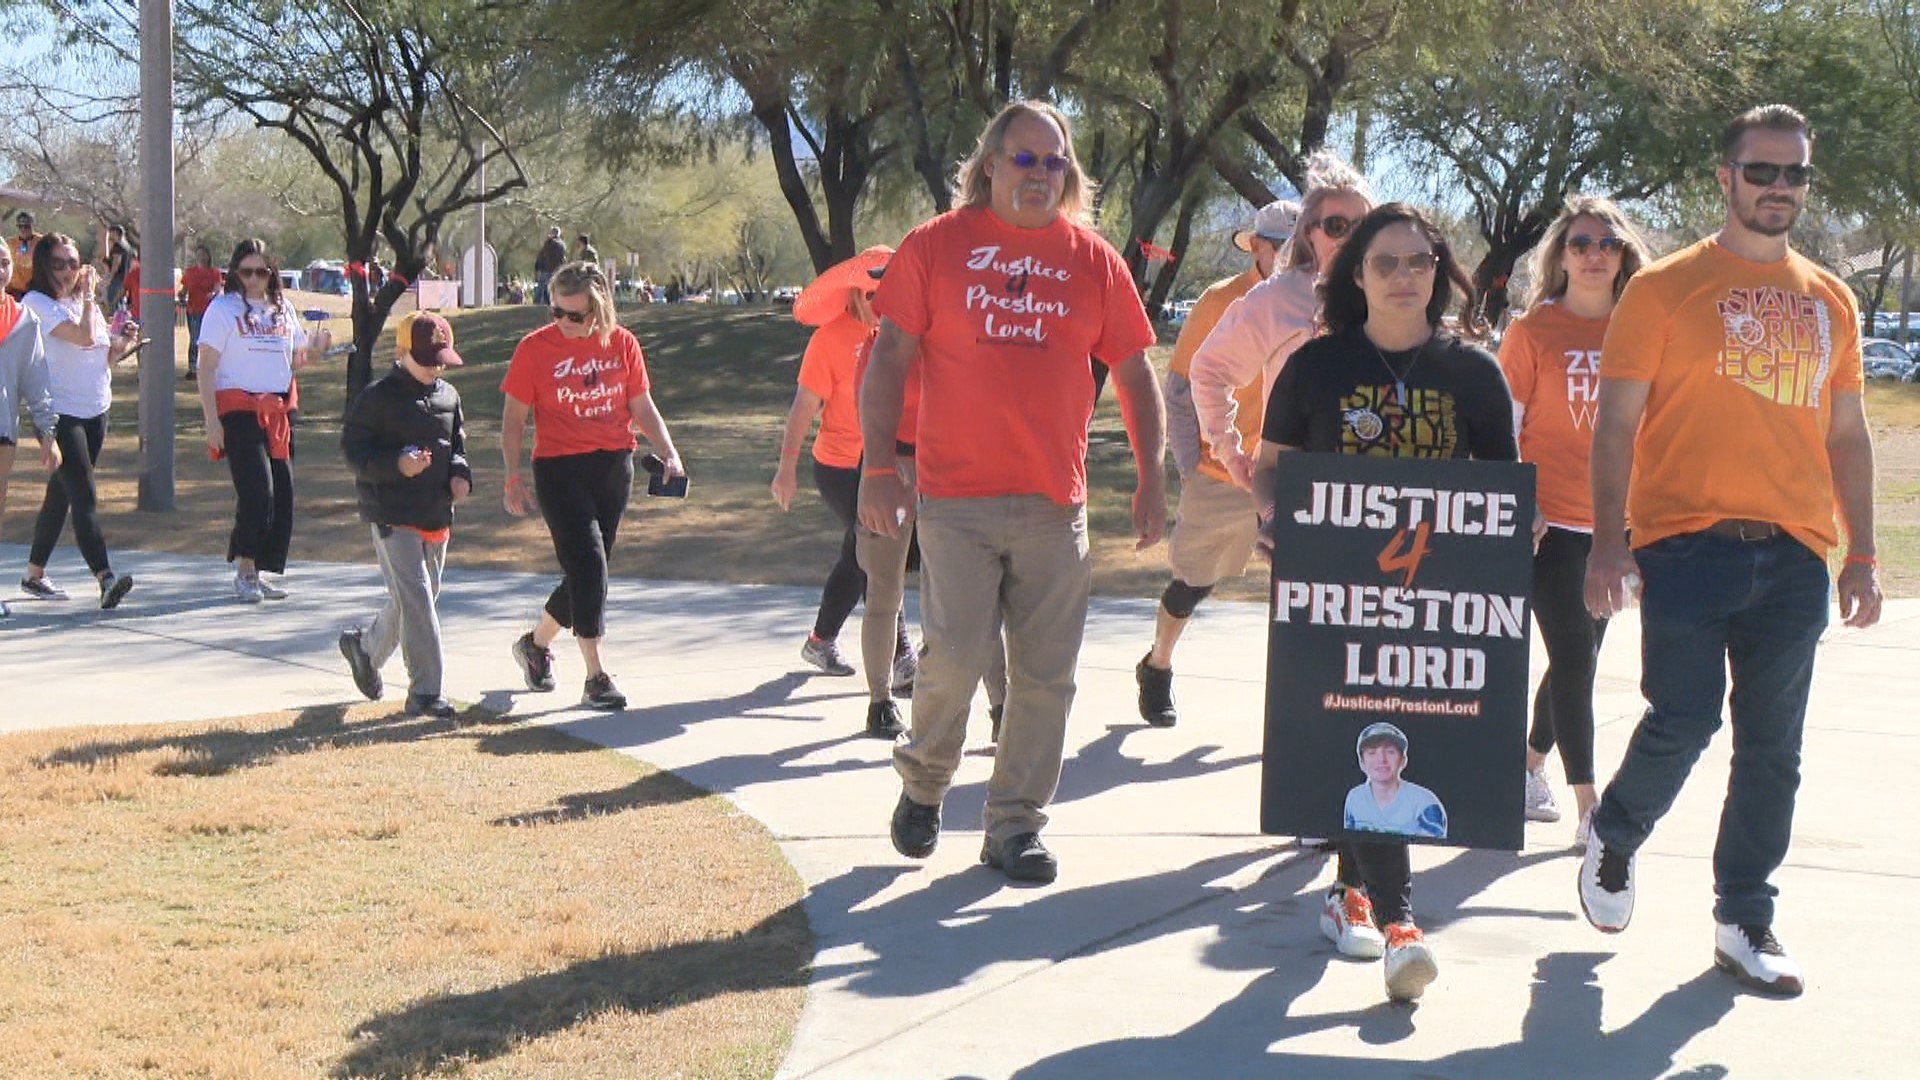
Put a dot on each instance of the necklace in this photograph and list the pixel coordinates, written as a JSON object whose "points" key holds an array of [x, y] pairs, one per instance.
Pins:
{"points": [[1400, 378]]}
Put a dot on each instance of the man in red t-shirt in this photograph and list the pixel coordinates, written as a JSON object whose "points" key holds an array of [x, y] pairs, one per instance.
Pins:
{"points": [[1004, 304], [201, 282]]}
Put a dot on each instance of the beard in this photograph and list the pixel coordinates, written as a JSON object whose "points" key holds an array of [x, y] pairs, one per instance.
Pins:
{"points": [[1753, 221]]}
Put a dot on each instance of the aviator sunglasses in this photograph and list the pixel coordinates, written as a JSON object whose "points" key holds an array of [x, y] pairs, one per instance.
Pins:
{"points": [[1335, 227], [1608, 245], [1385, 265], [1027, 159], [571, 316], [1765, 173]]}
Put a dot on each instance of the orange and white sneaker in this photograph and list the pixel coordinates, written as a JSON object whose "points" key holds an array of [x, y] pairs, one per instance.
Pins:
{"points": [[1410, 964], [1347, 920]]}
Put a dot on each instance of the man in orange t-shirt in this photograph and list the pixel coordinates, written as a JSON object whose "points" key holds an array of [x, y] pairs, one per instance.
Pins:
{"points": [[1730, 426], [201, 282], [1005, 304], [1214, 526]]}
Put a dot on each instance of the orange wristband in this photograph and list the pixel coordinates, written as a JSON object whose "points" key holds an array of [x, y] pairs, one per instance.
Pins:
{"points": [[877, 471], [1863, 560]]}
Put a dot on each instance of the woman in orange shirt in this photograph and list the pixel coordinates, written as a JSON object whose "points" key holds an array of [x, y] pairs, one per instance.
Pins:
{"points": [[838, 304], [1551, 356]]}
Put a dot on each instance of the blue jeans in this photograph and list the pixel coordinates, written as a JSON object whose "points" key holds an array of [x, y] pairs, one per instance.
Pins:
{"points": [[193, 341], [1713, 603]]}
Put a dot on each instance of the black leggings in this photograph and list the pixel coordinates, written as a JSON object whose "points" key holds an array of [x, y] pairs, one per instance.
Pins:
{"points": [[846, 582], [1563, 707], [582, 497], [71, 490], [263, 490], [1384, 870]]}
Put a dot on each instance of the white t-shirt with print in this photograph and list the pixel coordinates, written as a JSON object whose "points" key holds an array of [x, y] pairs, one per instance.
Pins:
{"points": [[256, 342], [82, 385]]}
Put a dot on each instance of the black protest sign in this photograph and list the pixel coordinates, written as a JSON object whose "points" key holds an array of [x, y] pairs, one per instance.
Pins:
{"points": [[1397, 653]]}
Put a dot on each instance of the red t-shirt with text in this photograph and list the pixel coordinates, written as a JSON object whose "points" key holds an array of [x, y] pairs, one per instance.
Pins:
{"points": [[1010, 321], [578, 389]]}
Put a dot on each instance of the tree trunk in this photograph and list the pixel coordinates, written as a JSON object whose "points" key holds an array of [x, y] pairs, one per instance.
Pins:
{"points": [[1491, 276], [1182, 233]]}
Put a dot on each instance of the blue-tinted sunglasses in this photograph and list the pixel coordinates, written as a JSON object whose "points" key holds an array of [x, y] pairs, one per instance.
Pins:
{"points": [[1027, 159]]}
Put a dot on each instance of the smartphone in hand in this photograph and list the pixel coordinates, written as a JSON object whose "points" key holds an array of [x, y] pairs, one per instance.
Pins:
{"points": [[658, 485]]}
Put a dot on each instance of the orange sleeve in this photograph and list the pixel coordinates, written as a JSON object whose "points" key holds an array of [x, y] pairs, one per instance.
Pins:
{"points": [[1636, 335], [902, 296], [1200, 322], [816, 365], [1849, 376], [1519, 360]]}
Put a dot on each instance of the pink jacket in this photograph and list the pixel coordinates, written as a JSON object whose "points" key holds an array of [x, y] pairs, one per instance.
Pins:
{"points": [[1254, 338]]}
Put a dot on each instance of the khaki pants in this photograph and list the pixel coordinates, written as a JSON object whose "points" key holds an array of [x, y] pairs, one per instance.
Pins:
{"points": [[884, 560], [1213, 532], [1022, 560]]}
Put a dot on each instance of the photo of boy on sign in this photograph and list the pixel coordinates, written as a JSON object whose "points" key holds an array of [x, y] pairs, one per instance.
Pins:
{"points": [[1384, 802]]}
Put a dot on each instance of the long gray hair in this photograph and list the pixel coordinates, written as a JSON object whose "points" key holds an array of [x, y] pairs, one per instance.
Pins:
{"points": [[976, 187]]}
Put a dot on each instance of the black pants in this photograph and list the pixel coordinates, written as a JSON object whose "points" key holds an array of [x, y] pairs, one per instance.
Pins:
{"points": [[1383, 869], [1563, 707], [70, 490], [846, 582], [263, 490], [582, 498]]}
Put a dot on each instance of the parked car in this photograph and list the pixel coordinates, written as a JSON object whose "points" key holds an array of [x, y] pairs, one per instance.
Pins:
{"points": [[1180, 310], [322, 276], [1883, 359]]}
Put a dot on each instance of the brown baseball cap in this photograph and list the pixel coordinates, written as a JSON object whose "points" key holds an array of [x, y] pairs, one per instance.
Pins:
{"points": [[428, 340]]}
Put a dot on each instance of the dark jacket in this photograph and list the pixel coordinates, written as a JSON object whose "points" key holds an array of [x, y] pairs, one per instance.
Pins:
{"points": [[553, 255], [387, 417]]}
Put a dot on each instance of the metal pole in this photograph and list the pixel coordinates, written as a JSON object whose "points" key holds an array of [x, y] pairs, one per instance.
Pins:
{"points": [[156, 262], [1906, 283], [481, 279]]}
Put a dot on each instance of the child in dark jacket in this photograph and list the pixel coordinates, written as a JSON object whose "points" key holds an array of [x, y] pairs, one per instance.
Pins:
{"points": [[404, 439]]}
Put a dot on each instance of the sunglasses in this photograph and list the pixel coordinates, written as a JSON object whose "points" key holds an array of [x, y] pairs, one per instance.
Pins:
{"points": [[1582, 243], [1335, 227], [253, 272], [63, 264], [1420, 262], [1027, 159], [571, 316], [1765, 173]]}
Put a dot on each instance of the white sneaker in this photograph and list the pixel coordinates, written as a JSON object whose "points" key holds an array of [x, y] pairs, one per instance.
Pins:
{"points": [[1410, 962], [906, 668], [271, 589], [1606, 886], [1540, 804], [247, 589], [1347, 920], [1754, 957]]}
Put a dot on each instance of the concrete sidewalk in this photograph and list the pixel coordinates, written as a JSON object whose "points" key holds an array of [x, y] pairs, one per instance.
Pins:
{"points": [[1178, 942]]}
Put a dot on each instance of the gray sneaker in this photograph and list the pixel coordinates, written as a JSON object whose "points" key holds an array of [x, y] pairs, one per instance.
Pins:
{"points": [[1540, 804], [825, 655], [42, 588]]}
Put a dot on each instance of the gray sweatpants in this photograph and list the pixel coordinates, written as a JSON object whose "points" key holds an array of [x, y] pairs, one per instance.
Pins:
{"points": [[409, 622]]}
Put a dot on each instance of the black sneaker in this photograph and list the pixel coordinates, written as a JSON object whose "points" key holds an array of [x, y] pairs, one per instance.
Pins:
{"points": [[536, 663], [602, 694], [42, 589], [1156, 693], [437, 707], [1022, 858], [883, 720], [915, 829], [365, 676], [113, 590], [996, 713]]}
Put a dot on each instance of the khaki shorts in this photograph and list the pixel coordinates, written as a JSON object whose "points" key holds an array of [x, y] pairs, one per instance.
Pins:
{"points": [[1213, 531]]}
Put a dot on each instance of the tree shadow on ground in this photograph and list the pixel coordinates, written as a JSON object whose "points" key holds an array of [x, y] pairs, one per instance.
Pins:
{"points": [[1095, 768], [1246, 1036], [222, 750], [471, 1028], [718, 775]]}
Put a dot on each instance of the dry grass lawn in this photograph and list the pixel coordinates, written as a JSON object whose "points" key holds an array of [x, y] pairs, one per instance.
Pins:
{"points": [[346, 892]]}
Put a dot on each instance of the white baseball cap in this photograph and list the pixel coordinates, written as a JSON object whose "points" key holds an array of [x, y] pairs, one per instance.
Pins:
{"points": [[1274, 221]]}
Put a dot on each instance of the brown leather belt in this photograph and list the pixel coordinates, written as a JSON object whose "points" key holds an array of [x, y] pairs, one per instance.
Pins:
{"points": [[1745, 530]]}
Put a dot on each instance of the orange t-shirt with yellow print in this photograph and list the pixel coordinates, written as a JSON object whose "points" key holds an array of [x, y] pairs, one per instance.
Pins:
{"points": [[1743, 359], [1200, 322], [827, 370], [1551, 358]]}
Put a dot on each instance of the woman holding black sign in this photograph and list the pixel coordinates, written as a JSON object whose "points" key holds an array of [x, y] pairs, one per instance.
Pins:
{"points": [[1551, 356], [1385, 381]]}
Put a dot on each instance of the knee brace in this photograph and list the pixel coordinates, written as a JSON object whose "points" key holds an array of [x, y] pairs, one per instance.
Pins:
{"points": [[1181, 598]]}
